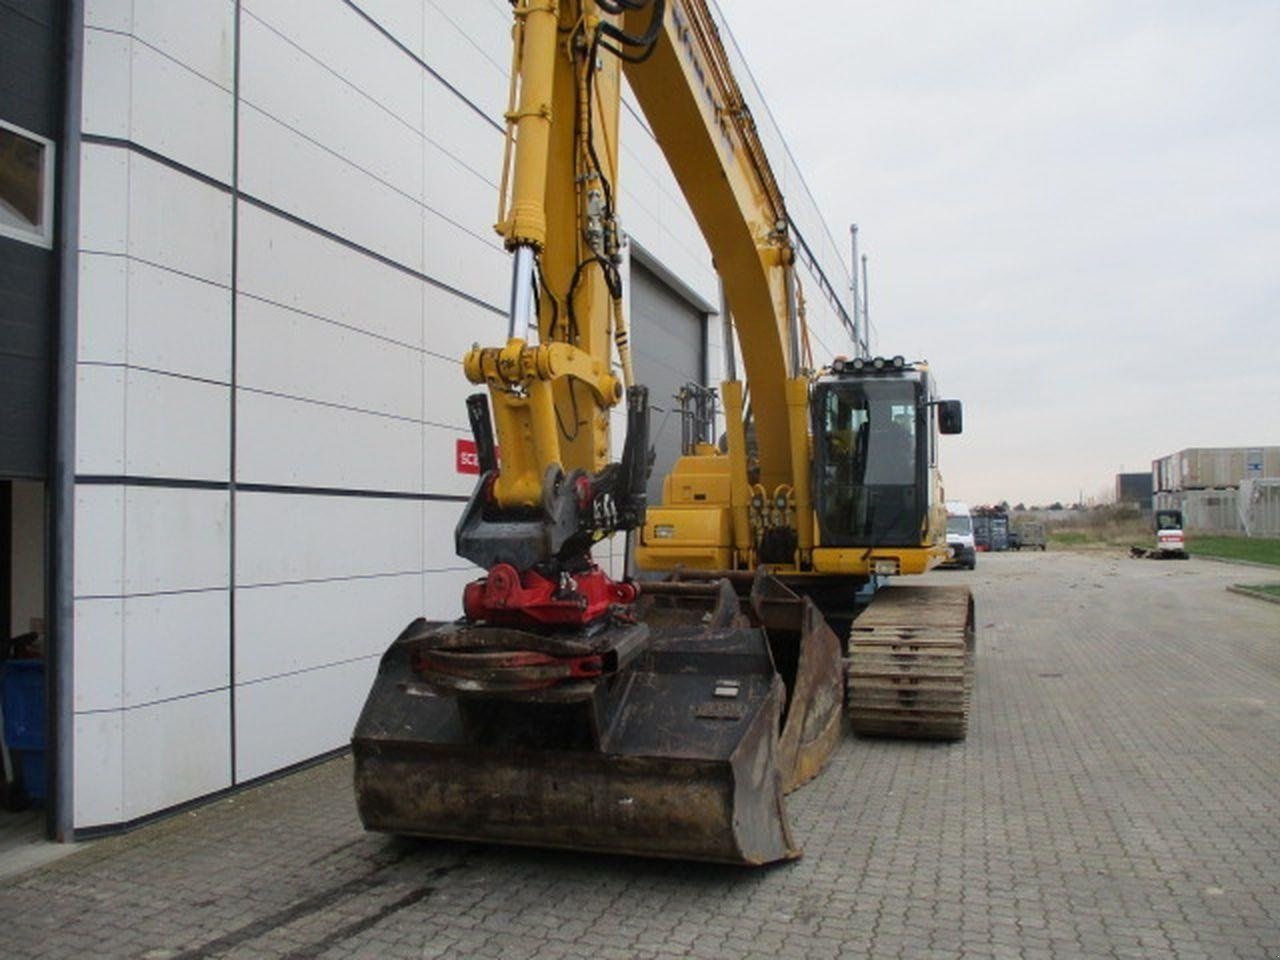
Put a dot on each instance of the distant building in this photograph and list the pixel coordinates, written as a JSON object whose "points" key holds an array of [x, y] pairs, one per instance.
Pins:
{"points": [[1134, 489]]}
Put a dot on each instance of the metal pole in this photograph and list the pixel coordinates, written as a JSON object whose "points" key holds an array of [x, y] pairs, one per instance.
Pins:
{"points": [[522, 318], [60, 819], [853, 285], [866, 305]]}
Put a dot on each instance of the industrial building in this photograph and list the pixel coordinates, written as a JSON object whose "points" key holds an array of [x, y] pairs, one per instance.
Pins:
{"points": [[1134, 490], [1221, 489], [244, 245]]}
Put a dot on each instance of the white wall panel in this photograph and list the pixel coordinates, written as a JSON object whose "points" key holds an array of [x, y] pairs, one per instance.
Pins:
{"points": [[300, 626], [99, 654], [180, 114], [301, 92], [442, 589], [439, 518], [469, 137], [104, 199], [99, 541], [175, 645], [439, 462], [109, 14], [178, 222], [465, 262], [196, 33], [101, 306], [292, 718], [293, 537], [175, 751], [290, 172], [402, 19], [283, 351], [300, 443], [100, 419], [290, 265], [462, 195], [108, 75], [452, 324], [485, 24], [175, 539], [98, 769], [178, 324], [176, 427], [351, 47], [447, 392], [476, 60]]}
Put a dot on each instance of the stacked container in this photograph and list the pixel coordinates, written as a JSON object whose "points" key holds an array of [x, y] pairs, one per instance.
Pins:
{"points": [[1214, 468]]}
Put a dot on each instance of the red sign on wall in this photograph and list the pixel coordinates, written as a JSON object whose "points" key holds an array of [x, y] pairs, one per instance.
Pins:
{"points": [[466, 460]]}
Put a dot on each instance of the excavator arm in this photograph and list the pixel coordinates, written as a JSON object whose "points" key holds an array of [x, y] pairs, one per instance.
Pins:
{"points": [[551, 386]]}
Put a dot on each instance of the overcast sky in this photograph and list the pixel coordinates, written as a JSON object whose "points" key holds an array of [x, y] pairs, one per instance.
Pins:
{"points": [[1072, 210]]}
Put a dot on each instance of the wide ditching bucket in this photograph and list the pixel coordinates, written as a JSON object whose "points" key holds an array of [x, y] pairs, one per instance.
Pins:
{"points": [[676, 735]]}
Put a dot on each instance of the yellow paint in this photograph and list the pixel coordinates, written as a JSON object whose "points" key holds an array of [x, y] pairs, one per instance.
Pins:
{"points": [[689, 535], [860, 562]]}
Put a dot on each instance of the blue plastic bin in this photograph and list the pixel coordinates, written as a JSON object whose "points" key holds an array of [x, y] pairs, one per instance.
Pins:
{"points": [[22, 697], [31, 765]]}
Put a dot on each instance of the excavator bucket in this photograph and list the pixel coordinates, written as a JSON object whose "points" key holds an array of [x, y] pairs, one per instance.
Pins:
{"points": [[683, 746]]}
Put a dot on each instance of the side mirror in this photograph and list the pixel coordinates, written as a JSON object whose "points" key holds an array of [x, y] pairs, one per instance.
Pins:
{"points": [[950, 416]]}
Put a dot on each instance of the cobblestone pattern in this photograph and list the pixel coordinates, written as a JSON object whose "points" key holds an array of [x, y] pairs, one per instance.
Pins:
{"points": [[1117, 797]]}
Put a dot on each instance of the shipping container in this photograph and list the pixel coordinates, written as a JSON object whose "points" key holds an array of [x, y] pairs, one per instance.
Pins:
{"points": [[1213, 468], [999, 533]]}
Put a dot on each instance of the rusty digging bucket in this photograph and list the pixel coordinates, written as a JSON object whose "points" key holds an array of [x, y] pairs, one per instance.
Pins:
{"points": [[676, 735]]}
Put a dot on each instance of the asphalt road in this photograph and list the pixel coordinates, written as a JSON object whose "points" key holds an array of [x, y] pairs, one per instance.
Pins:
{"points": [[1118, 796]]}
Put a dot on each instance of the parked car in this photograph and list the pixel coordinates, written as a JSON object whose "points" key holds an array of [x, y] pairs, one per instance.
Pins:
{"points": [[960, 536]]}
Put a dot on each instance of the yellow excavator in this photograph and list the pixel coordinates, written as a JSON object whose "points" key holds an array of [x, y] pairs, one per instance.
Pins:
{"points": [[670, 716]]}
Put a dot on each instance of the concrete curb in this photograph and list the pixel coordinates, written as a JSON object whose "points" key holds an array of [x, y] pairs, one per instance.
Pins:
{"points": [[1246, 592], [1239, 563]]}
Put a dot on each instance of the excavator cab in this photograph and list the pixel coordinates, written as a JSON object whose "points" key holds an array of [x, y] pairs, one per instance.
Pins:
{"points": [[875, 430]]}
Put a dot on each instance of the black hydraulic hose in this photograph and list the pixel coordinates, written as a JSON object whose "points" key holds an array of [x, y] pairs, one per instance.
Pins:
{"points": [[651, 32], [617, 6], [591, 136]]}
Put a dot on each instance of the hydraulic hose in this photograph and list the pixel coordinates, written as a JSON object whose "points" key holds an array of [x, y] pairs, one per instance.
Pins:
{"points": [[647, 40]]}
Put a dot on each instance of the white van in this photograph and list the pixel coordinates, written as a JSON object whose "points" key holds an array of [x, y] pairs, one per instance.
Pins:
{"points": [[960, 535]]}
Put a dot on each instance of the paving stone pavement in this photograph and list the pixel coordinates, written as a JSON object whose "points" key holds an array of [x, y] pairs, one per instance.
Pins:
{"points": [[1118, 796]]}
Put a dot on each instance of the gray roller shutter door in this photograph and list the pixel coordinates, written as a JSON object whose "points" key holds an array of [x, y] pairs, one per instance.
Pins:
{"points": [[667, 337]]}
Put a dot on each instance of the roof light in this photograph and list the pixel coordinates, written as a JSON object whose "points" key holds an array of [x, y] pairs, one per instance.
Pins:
{"points": [[859, 364], [878, 363], [899, 362]]}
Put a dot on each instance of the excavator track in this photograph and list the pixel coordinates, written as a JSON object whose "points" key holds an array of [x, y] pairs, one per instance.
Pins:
{"points": [[909, 672]]}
